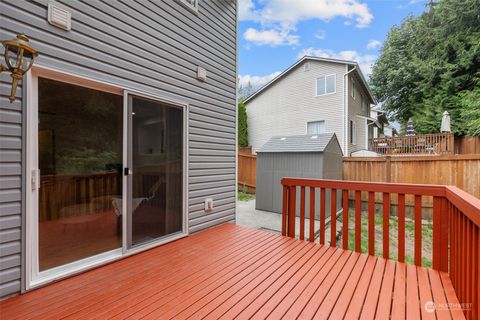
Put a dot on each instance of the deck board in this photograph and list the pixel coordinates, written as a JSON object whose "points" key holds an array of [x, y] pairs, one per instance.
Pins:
{"points": [[235, 272]]}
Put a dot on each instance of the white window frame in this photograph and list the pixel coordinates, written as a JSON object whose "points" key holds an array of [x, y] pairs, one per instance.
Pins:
{"points": [[353, 90], [334, 85], [33, 276], [313, 121], [189, 6], [353, 132]]}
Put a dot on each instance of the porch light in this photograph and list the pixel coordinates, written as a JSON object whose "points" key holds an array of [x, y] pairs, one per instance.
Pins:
{"points": [[19, 58]]}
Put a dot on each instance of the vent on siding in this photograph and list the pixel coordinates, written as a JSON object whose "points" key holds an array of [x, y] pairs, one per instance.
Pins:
{"points": [[59, 17], [306, 66]]}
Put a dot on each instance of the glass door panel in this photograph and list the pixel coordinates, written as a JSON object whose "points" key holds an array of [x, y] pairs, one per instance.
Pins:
{"points": [[80, 147], [155, 158]]}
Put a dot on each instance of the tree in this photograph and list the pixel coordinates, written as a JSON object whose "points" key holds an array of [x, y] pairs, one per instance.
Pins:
{"points": [[242, 124], [431, 63]]}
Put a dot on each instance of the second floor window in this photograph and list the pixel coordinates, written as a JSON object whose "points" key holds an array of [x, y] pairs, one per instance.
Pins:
{"points": [[316, 127], [353, 90], [353, 132], [325, 85], [191, 4]]}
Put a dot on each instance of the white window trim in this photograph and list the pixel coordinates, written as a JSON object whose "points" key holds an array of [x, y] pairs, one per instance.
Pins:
{"points": [[334, 81], [306, 125], [193, 8], [352, 93], [33, 277]]}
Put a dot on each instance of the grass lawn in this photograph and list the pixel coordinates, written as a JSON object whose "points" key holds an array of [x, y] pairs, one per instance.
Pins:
{"points": [[427, 233], [243, 196]]}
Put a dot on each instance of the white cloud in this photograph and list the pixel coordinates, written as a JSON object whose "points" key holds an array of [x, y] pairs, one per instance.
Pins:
{"points": [[256, 81], [289, 13], [270, 37], [321, 34], [373, 44], [246, 10], [365, 61]]}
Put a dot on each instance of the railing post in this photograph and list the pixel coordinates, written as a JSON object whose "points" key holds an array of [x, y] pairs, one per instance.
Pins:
{"points": [[440, 234], [284, 210], [291, 211], [333, 218]]}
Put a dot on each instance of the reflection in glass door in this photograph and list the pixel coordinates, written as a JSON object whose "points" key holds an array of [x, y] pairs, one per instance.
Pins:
{"points": [[80, 147], [155, 158]]}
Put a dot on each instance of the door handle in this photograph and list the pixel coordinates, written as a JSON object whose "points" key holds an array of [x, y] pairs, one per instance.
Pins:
{"points": [[127, 171], [35, 179]]}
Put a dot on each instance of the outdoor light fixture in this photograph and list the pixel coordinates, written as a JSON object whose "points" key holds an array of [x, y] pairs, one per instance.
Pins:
{"points": [[19, 57]]}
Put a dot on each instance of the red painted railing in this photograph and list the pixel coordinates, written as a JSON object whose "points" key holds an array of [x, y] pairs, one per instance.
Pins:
{"points": [[456, 224]]}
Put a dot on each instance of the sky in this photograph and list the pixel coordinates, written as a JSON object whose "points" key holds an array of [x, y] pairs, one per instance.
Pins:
{"points": [[273, 34]]}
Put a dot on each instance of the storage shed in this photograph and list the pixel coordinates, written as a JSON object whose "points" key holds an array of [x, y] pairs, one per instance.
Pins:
{"points": [[317, 156]]}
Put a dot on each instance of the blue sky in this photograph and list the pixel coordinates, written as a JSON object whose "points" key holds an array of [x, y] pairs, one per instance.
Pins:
{"points": [[273, 34]]}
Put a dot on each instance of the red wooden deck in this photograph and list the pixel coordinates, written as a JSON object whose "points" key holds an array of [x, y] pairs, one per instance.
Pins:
{"points": [[236, 272]]}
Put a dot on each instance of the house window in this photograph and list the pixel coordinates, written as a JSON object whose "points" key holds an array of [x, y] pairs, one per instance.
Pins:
{"points": [[353, 90], [364, 103], [190, 4], [353, 132], [325, 85], [316, 127]]}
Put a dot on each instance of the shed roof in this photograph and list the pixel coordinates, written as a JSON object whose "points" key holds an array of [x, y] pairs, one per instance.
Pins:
{"points": [[298, 143]]}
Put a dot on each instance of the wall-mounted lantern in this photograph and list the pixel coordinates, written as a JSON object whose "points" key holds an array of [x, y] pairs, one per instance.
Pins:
{"points": [[19, 57]]}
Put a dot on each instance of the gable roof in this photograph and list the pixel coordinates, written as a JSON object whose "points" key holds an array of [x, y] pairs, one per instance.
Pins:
{"points": [[298, 143], [310, 58]]}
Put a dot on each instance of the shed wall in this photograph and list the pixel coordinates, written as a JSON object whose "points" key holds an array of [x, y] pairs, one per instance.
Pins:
{"points": [[272, 167]]}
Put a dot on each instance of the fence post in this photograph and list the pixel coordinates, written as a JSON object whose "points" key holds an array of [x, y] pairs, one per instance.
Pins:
{"points": [[388, 169]]}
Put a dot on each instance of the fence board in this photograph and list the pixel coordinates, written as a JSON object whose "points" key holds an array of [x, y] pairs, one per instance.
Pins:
{"points": [[459, 170], [247, 172]]}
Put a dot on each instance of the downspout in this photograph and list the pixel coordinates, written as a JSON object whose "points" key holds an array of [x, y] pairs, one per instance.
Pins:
{"points": [[345, 109]]}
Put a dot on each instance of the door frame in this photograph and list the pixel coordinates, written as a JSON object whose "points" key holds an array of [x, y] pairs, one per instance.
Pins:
{"points": [[126, 141], [34, 278]]}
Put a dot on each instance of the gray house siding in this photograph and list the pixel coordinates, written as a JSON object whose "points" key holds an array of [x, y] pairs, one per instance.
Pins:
{"points": [[10, 188], [154, 47]]}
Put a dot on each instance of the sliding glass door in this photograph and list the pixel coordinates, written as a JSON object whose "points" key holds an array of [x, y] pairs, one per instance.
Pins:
{"points": [[105, 174], [80, 150], [155, 167]]}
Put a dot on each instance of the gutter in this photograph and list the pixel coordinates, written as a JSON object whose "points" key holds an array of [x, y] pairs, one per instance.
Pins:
{"points": [[345, 108]]}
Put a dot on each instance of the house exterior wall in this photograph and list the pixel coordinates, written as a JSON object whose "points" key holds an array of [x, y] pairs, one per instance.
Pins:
{"points": [[153, 47], [286, 106], [355, 109], [10, 188]]}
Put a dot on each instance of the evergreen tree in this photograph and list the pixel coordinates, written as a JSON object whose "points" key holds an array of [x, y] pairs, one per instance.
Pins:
{"points": [[431, 63], [242, 124]]}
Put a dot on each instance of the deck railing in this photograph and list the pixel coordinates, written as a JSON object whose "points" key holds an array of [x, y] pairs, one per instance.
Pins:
{"points": [[437, 143], [456, 224]]}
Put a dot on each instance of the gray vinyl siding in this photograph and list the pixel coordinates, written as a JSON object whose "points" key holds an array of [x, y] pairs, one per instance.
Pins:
{"points": [[285, 107], [355, 109], [150, 46], [10, 188]]}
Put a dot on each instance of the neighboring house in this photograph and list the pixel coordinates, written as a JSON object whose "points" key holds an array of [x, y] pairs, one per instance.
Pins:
{"points": [[314, 95], [122, 134], [382, 128]]}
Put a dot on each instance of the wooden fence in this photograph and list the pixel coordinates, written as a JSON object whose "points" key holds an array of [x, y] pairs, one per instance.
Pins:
{"points": [[247, 172], [457, 170], [467, 145], [437, 143]]}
